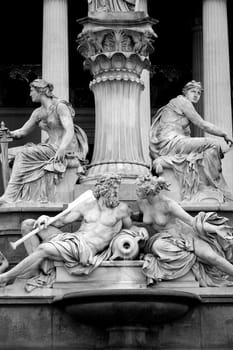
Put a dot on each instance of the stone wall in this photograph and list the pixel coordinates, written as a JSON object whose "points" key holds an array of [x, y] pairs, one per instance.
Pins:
{"points": [[33, 323]]}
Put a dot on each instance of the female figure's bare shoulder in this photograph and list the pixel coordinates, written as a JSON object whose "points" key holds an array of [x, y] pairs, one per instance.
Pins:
{"points": [[164, 203], [64, 107], [184, 103], [169, 204], [37, 114]]}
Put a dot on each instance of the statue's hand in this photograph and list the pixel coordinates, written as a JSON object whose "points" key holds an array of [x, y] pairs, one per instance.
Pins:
{"points": [[14, 134], [225, 232], [41, 222], [60, 155], [228, 140]]}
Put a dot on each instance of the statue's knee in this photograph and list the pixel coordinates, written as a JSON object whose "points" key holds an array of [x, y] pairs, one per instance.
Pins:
{"points": [[158, 246], [216, 148], [27, 226], [26, 151], [212, 258], [45, 250]]}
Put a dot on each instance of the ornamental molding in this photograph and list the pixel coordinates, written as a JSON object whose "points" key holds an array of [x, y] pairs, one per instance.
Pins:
{"points": [[117, 66], [114, 40]]}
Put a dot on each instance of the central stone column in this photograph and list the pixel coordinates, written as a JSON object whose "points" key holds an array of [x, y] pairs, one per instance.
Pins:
{"points": [[116, 46]]}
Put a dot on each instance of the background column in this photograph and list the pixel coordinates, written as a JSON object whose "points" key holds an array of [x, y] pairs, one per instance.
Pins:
{"points": [[197, 67], [217, 95], [55, 46]]}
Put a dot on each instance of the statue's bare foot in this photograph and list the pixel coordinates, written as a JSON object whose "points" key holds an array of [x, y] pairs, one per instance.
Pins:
{"points": [[3, 201], [3, 263], [3, 280]]}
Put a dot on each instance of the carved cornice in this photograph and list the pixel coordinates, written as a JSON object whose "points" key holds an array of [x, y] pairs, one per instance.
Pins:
{"points": [[92, 43]]}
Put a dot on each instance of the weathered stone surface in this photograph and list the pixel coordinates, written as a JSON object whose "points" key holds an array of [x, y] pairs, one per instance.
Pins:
{"points": [[33, 323]]}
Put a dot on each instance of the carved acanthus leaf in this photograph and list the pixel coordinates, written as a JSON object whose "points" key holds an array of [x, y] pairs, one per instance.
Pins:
{"points": [[109, 42], [143, 43]]}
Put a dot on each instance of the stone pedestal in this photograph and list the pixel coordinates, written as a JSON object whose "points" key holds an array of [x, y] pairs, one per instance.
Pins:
{"points": [[110, 275], [121, 274]]}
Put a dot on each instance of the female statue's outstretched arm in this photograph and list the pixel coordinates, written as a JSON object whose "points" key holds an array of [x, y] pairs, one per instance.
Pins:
{"points": [[197, 120], [27, 128], [224, 231], [191, 113]]}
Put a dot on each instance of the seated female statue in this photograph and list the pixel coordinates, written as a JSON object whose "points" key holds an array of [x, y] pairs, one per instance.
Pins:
{"points": [[36, 168], [196, 161], [181, 242]]}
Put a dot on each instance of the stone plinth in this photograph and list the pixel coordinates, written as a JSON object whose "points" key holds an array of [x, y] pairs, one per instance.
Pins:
{"points": [[123, 274], [117, 274]]}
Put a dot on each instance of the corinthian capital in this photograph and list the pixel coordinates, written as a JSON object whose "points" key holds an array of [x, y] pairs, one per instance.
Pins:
{"points": [[116, 40]]}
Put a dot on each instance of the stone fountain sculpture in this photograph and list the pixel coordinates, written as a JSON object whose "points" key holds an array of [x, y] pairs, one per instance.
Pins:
{"points": [[116, 41]]}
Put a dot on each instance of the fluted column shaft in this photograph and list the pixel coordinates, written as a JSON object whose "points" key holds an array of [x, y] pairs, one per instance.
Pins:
{"points": [[118, 143], [141, 5], [55, 46], [217, 96], [145, 115], [145, 111]]}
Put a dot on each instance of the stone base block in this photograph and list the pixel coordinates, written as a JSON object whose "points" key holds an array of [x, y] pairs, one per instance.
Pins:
{"points": [[187, 281], [116, 274], [119, 274]]}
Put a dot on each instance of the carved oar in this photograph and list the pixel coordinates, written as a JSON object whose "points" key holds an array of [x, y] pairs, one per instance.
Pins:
{"points": [[85, 197]]}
